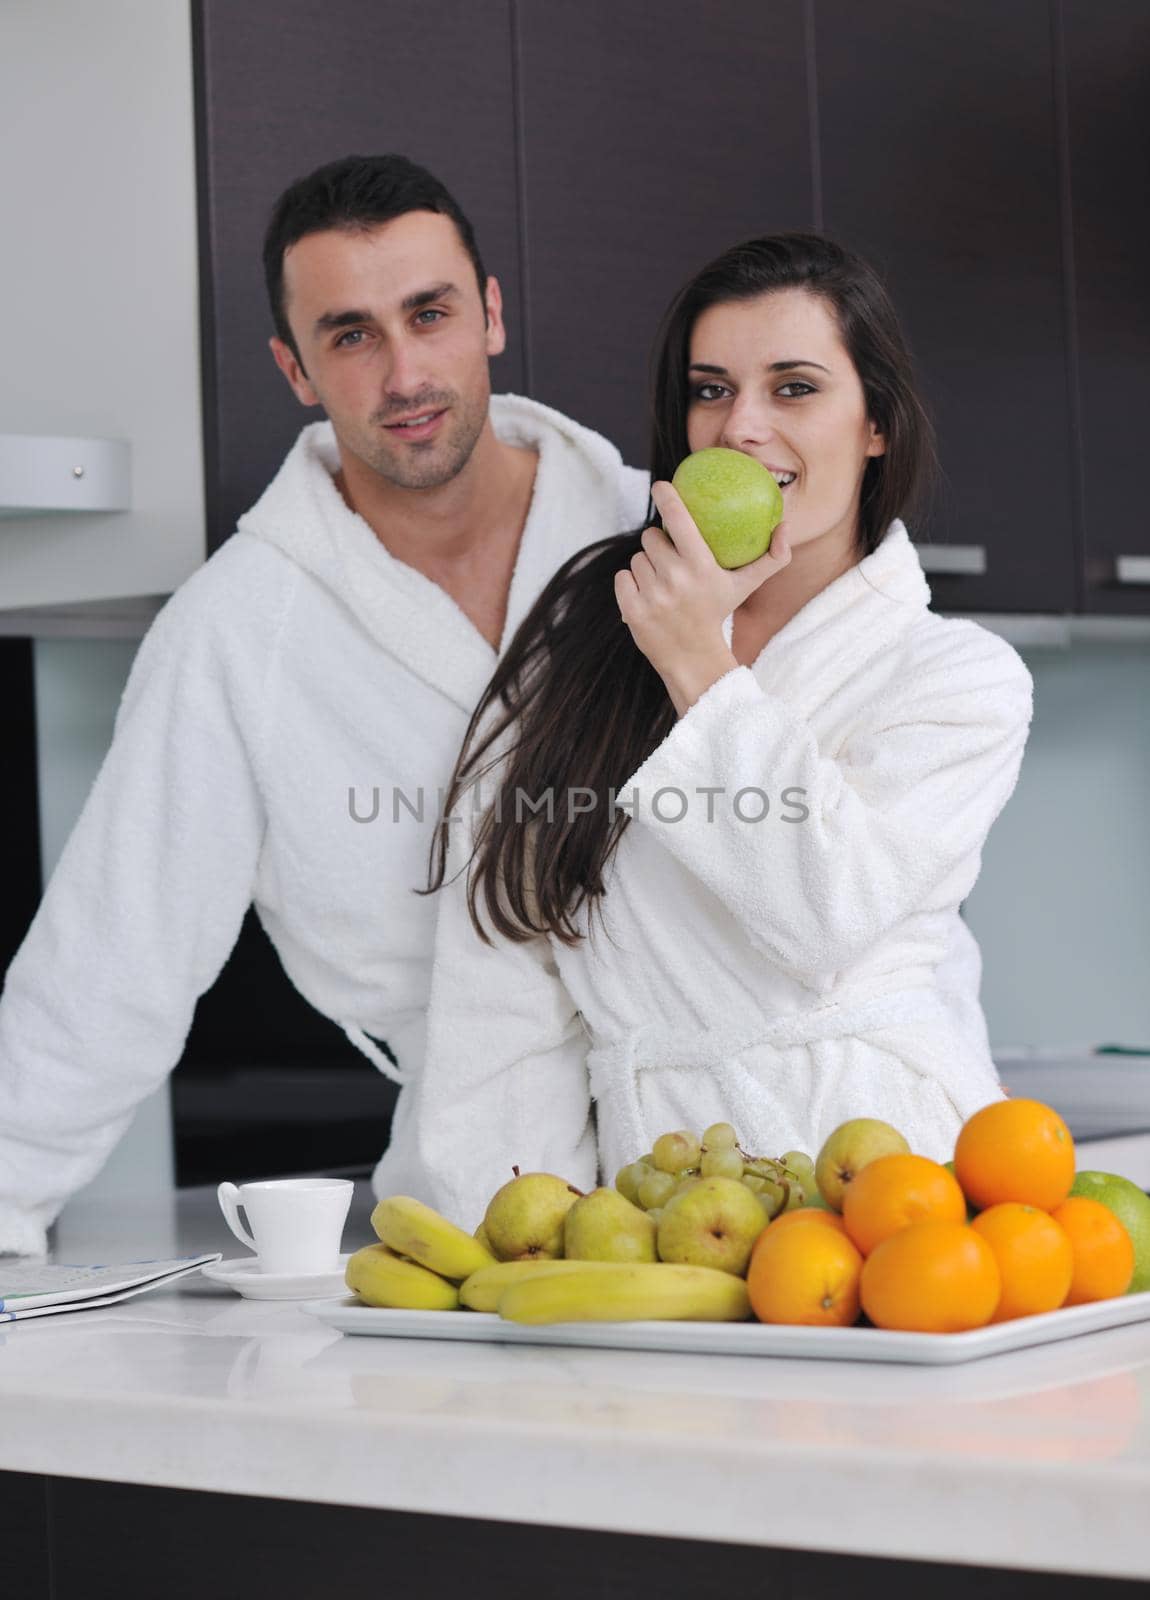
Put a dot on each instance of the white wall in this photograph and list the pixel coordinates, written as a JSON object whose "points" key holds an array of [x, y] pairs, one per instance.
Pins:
{"points": [[1062, 909], [98, 284]]}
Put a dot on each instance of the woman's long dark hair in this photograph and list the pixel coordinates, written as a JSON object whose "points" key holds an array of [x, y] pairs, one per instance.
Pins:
{"points": [[574, 706]]}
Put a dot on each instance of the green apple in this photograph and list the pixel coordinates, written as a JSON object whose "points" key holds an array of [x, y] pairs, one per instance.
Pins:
{"points": [[714, 1223], [1131, 1205], [604, 1226], [734, 502], [524, 1221], [848, 1150]]}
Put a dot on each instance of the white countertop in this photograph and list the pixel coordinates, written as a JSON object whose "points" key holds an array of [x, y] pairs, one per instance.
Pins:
{"points": [[1040, 1459]]}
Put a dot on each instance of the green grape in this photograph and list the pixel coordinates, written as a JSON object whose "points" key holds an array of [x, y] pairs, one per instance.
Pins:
{"points": [[720, 1136], [674, 1151], [769, 1205], [726, 1163], [801, 1165], [753, 1182], [795, 1197], [772, 1198], [655, 1213], [762, 1167], [628, 1178], [655, 1189]]}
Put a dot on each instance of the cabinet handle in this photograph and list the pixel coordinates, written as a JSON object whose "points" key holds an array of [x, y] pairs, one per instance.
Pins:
{"points": [[965, 560], [1132, 569]]}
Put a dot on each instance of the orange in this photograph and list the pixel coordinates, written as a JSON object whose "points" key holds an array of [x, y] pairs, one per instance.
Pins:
{"points": [[933, 1277], [1015, 1150], [1103, 1250], [808, 1276], [1035, 1258], [891, 1192], [828, 1219]]}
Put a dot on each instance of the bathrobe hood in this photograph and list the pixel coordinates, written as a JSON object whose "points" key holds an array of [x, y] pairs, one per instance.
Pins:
{"points": [[579, 486]]}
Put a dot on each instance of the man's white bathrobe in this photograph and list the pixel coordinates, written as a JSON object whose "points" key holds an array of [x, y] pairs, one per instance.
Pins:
{"points": [[782, 974], [299, 664]]}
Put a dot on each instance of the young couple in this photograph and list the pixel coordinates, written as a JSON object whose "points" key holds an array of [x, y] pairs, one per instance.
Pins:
{"points": [[574, 986]]}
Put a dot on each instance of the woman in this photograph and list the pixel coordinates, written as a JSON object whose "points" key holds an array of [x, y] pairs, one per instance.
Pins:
{"points": [[770, 787]]}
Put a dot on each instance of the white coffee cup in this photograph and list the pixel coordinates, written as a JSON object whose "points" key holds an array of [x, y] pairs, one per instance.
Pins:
{"points": [[296, 1223]]}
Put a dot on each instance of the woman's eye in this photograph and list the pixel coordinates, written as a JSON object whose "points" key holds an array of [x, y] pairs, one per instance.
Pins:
{"points": [[701, 391], [797, 383]]}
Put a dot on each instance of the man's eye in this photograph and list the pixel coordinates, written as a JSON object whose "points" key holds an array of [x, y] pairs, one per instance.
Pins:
{"points": [[428, 313], [701, 391], [797, 383], [352, 333]]}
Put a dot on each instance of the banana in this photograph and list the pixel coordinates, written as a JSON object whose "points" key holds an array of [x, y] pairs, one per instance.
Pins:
{"points": [[412, 1229], [483, 1290], [608, 1291], [381, 1278]]}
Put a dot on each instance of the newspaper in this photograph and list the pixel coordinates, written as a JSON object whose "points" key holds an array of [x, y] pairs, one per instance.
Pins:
{"points": [[39, 1288]]}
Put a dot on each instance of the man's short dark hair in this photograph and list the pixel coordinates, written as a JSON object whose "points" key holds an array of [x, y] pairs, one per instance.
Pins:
{"points": [[354, 194]]}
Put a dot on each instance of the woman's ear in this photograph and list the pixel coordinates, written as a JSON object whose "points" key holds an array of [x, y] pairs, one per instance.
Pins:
{"points": [[877, 445]]}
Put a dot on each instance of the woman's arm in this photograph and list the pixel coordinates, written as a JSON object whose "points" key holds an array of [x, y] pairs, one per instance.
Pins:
{"points": [[895, 823]]}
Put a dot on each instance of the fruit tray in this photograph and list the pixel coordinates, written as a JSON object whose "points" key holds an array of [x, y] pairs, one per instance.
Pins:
{"points": [[349, 1315]]}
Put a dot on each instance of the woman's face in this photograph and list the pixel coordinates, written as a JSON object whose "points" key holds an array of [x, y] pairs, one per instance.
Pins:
{"points": [[772, 377]]}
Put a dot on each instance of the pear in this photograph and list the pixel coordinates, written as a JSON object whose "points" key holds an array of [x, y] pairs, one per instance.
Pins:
{"points": [[849, 1149], [714, 1223], [525, 1219], [604, 1226], [481, 1235]]}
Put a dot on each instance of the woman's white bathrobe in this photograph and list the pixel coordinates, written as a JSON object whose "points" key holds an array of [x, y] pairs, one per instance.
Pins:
{"points": [[300, 664], [782, 974]]}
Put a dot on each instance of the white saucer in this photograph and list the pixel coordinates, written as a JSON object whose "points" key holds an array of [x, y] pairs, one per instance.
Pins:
{"points": [[247, 1279]]}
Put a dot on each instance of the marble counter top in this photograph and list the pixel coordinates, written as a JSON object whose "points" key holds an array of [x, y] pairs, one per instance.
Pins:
{"points": [[1039, 1459]]}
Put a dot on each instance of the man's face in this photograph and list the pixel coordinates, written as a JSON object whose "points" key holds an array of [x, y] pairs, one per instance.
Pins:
{"points": [[390, 327]]}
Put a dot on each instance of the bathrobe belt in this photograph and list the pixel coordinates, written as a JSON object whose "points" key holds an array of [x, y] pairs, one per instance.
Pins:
{"points": [[615, 1064]]}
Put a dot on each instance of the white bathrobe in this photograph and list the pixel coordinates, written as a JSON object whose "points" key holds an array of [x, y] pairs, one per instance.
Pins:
{"points": [[783, 974], [300, 664]]}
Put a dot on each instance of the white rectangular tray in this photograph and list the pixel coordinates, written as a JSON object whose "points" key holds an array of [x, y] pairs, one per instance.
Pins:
{"points": [[349, 1315]]}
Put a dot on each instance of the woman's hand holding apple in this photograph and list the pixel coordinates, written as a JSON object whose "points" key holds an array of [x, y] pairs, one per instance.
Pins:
{"points": [[675, 598]]}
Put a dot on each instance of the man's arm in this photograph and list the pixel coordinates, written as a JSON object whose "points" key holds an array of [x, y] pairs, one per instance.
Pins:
{"points": [[140, 915]]}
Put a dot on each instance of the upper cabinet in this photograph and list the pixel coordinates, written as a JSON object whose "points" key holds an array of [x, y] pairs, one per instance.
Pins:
{"points": [[653, 138], [284, 86], [939, 162], [1106, 49]]}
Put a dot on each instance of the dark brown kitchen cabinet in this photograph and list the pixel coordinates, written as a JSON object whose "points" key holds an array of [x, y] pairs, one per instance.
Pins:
{"points": [[1107, 66], [74, 1539], [282, 88], [654, 137], [939, 161]]}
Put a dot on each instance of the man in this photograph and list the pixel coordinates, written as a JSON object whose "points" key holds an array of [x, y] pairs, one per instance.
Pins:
{"points": [[298, 703]]}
